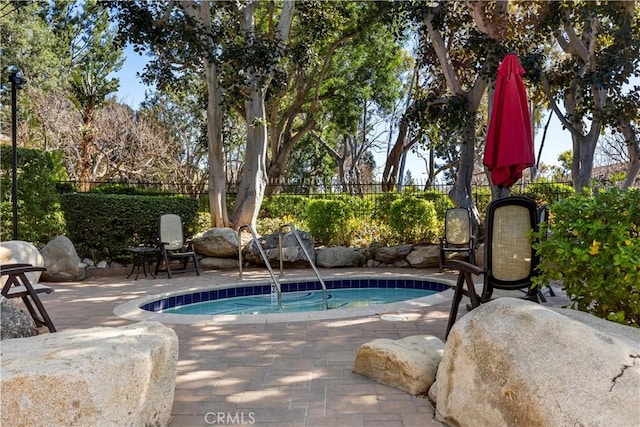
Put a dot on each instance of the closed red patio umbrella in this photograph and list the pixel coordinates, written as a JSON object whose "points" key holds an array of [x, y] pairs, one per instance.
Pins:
{"points": [[509, 146]]}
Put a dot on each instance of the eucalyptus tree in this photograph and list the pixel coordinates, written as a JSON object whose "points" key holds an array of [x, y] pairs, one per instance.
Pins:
{"points": [[274, 70], [461, 46], [205, 38], [342, 68], [601, 46], [451, 50]]}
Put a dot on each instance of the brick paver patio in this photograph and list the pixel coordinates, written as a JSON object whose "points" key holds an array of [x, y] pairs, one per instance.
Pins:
{"points": [[267, 374]]}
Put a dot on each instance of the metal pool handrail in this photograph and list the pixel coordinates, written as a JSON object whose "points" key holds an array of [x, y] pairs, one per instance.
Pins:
{"points": [[313, 266], [264, 257]]}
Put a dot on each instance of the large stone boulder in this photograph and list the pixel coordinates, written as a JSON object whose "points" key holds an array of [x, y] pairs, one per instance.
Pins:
{"points": [[62, 262], [512, 362], [15, 323], [94, 377], [339, 256], [424, 257], [391, 254], [215, 263], [291, 249], [217, 242], [409, 364], [17, 251]]}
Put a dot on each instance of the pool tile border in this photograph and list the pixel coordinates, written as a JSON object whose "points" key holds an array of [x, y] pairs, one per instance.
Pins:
{"points": [[309, 285], [133, 310]]}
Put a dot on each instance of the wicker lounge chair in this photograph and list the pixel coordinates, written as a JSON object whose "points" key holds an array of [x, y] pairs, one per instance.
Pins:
{"points": [[19, 286], [173, 246], [510, 261], [458, 235]]}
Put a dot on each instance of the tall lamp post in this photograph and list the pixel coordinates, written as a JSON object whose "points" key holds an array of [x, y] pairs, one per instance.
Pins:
{"points": [[17, 82]]}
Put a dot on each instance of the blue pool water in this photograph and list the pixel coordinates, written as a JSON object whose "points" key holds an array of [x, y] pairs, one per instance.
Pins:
{"points": [[301, 301], [296, 297]]}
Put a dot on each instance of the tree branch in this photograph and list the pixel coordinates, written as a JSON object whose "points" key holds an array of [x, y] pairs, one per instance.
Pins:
{"points": [[167, 12], [554, 106], [443, 57], [575, 45]]}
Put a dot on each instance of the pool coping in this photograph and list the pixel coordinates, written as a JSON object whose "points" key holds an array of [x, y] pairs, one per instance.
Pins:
{"points": [[409, 309]]}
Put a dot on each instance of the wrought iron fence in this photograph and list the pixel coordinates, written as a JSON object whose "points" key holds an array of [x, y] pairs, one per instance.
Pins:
{"points": [[481, 194]]}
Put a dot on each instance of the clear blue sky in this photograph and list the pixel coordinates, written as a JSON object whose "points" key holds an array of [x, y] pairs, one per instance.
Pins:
{"points": [[132, 91]]}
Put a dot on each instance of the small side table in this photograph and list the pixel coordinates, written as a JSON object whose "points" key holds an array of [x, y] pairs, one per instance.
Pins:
{"points": [[141, 256]]}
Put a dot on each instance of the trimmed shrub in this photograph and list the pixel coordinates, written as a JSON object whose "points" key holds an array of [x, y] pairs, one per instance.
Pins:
{"points": [[266, 226], [413, 220], [441, 202], [545, 193], [132, 190], [593, 245], [280, 206], [40, 218], [104, 225], [482, 198], [329, 221], [382, 206]]}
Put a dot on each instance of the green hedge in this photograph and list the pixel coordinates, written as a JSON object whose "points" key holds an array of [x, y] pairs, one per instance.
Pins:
{"points": [[39, 216], [330, 221], [414, 220], [285, 205], [592, 244], [104, 225], [546, 193]]}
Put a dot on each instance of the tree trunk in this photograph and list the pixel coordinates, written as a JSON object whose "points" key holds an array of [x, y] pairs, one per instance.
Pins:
{"points": [[390, 174], [633, 147], [254, 174], [584, 144], [281, 156], [217, 176], [460, 194]]}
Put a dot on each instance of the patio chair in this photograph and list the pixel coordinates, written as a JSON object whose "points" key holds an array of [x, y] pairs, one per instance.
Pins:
{"points": [[17, 285], [510, 261], [174, 247], [458, 235]]}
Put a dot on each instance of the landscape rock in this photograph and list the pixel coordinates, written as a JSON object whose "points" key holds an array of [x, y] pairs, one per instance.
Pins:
{"points": [[95, 377], [512, 362], [373, 263], [409, 364], [62, 262], [292, 252], [215, 263], [424, 257], [217, 242], [391, 254], [15, 323], [403, 263], [339, 256], [18, 251]]}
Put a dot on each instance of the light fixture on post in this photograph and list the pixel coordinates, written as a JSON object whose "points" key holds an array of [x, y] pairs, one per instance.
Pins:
{"points": [[17, 82]]}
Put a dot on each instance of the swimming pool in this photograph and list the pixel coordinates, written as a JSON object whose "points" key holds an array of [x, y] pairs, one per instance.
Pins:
{"points": [[298, 296], [156, 307], [301, 301]]}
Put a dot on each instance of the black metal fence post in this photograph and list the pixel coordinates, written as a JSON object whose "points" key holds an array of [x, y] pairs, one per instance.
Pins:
{"points": [[16, 83]]}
